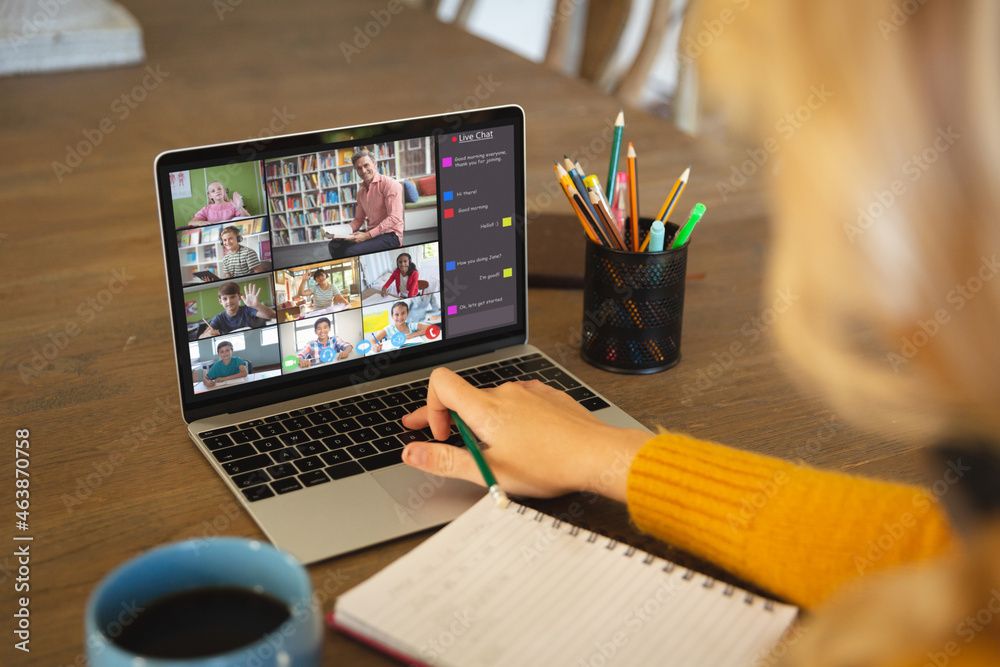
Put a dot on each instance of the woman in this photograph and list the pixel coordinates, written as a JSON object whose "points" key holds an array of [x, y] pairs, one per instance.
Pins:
{"points": [[902, 103]]}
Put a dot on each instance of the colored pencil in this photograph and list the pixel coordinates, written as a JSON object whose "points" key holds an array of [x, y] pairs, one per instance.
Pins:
{"points": [[616, 148], [674, 195], [604, 217], [576, 202], [633, 198], [575, 172]]}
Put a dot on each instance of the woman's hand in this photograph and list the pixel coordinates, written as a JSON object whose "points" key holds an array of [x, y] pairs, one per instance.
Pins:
{"points": [[538, 440]]}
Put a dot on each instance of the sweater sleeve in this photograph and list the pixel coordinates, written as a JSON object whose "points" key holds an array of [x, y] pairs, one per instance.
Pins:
{"points": [[796, 531], [394, 278]]}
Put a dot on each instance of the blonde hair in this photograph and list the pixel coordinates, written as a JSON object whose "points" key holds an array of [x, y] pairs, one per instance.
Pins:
{"points": [[225, 191], [885, 201], [886, 228]]}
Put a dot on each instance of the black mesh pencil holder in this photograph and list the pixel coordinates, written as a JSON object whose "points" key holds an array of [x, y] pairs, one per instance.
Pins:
{"points": [[633, 304]]}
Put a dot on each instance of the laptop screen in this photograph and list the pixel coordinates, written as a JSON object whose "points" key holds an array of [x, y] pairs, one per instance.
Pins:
{"points": [[316, 261]]}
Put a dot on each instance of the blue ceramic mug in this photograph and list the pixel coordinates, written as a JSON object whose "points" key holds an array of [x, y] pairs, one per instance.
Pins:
{"points": [[115, 609]]}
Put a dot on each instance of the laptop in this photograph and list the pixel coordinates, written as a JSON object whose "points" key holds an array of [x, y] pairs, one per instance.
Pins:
{"points": [[294, 368]]}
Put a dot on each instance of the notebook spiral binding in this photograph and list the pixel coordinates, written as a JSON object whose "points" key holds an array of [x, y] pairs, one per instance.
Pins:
{"points": [[647, 558]]}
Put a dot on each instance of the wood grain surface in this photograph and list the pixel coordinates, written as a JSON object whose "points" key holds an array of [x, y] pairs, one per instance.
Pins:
{"points": [[87, 362]]}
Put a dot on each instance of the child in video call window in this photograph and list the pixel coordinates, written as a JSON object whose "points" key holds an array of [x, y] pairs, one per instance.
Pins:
{"points": [[220, 207], [254, 314], [400, 311], [323, 291], [240, 260], [227, 367], [310, 354], [404, 269]]}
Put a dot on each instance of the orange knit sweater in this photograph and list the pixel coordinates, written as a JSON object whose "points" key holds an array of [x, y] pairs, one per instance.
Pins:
{"points": [[793, 530]]}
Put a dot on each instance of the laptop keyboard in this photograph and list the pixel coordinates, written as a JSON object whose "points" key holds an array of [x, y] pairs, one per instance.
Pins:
{"points": [[330, 441]]}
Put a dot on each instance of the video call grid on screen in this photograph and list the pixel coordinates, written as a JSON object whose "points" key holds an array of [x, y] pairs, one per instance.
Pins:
{"points": [[262, 226]]}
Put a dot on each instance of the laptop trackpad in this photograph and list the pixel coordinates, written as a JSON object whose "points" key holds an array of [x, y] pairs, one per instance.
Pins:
{"points": [[428, 499]]}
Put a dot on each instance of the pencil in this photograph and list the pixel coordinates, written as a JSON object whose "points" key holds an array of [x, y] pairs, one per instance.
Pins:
{"points": [[568, 189], [603, 238], [605, 218], [674, 195], [645, 242], [499, 497], [593, 182], [616, 147], [633, 198], [575, 172], [576, 201]]}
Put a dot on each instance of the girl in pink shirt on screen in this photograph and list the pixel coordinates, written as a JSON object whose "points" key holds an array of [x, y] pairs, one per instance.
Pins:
{"points": [[220, 208], [404, 271]]}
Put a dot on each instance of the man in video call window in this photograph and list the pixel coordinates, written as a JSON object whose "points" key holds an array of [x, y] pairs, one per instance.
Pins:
{"points": [[380, 200]]}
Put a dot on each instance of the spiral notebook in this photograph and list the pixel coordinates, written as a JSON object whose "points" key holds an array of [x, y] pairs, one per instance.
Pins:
{"points": [[518, 587]]}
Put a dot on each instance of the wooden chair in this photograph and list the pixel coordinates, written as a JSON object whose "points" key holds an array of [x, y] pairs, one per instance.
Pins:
{"points": [[422, 285], [604, 27]]}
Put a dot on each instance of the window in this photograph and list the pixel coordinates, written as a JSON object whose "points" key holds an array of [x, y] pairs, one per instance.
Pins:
{"points": [[269, 336], [304, 333], [193, 351], [239, 343], [415, 157]]}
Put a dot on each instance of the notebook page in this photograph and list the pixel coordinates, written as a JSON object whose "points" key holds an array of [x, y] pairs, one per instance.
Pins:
{"points": [[516, 587]]}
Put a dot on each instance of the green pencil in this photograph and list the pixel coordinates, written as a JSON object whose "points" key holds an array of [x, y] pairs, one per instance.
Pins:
{"points": [[499, 497], [616, 147]]}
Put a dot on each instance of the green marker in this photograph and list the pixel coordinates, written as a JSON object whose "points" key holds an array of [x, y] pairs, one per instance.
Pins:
{"points": [[499, 497], [616, 147], [682, 236]]}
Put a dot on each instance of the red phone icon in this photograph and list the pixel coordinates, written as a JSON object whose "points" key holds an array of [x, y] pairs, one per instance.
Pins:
{"points": [[432, 332]]}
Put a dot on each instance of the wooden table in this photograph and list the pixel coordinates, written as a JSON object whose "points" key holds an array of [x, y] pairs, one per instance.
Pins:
{"points": [[88, 365]]}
